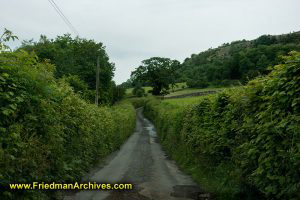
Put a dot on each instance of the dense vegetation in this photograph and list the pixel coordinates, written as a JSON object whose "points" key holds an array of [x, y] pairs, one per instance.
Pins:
{"points": [[157, 72], [47, 131], [237, 61], [242, 143], [78, 57]]}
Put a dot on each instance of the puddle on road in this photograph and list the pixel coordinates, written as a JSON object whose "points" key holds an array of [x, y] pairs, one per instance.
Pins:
{"points": [[151, 130]]}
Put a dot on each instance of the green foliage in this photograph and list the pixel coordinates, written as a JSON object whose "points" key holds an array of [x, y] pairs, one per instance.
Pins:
{"points": [[77, 57], [76, 83], [158, 72], [80, 87], [184, 101], [127, 84], [5, 37], [118, 92], [242, 143], [138, 102], [47, 132], [138, 91], [240, 60]]}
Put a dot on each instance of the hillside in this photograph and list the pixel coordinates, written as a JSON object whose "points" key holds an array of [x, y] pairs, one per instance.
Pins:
{"points": [[238, 61]]}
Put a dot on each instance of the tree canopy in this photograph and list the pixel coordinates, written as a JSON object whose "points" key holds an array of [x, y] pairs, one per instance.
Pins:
{"points": [[77, 56], [158, 72]]}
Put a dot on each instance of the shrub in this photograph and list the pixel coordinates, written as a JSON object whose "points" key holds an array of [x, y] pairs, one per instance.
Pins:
{"points": [[138, 91], [81, 88]]}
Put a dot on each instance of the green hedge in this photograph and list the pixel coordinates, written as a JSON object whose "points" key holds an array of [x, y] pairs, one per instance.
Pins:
{"points": [[241, 143], [47, 132]]}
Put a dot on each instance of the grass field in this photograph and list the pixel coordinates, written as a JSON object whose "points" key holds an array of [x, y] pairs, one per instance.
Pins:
{"points": [[192, 99], [194, 90], [178, 86], [184, 101], [190, 90]]}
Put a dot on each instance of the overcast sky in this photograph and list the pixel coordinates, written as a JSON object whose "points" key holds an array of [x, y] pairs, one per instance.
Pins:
{"points": [[133, 30]]}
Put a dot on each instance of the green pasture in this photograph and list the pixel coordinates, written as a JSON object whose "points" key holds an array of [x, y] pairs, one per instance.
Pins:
{"points": [[178, 86], [184, 101], [190, 90]]}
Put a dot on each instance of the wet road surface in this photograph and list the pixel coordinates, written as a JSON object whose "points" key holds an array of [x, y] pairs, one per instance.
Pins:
{"points": [[140, 161]]}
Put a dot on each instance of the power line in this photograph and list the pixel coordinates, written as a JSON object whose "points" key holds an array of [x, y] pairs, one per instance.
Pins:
{"points": [[64, 18]]}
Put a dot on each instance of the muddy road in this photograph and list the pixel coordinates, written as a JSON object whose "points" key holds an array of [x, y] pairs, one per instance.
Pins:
{"points": [[141, 161]]}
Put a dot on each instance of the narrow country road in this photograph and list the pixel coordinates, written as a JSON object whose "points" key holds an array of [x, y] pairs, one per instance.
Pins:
{"points": [[141, 161]]}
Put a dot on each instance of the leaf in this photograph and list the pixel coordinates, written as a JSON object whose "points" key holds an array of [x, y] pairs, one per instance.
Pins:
{"points": [[6, 112], [13, 106], [5, 75], [12, 157]]}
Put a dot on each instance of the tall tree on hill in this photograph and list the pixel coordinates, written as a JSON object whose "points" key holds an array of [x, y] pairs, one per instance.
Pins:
{"points": [[159, 72]]}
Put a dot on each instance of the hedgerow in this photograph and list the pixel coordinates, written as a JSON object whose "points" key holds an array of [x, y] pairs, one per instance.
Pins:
{"points": [[47, 132], [243, 142]]}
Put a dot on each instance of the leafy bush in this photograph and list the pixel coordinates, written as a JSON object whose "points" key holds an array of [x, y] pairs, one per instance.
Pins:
{"points": [[242, 143], [138, 91], [80, 87], [47, 132]]}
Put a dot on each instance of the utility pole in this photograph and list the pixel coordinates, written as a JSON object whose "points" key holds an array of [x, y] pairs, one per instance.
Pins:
{"points": [[97, 82]]}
